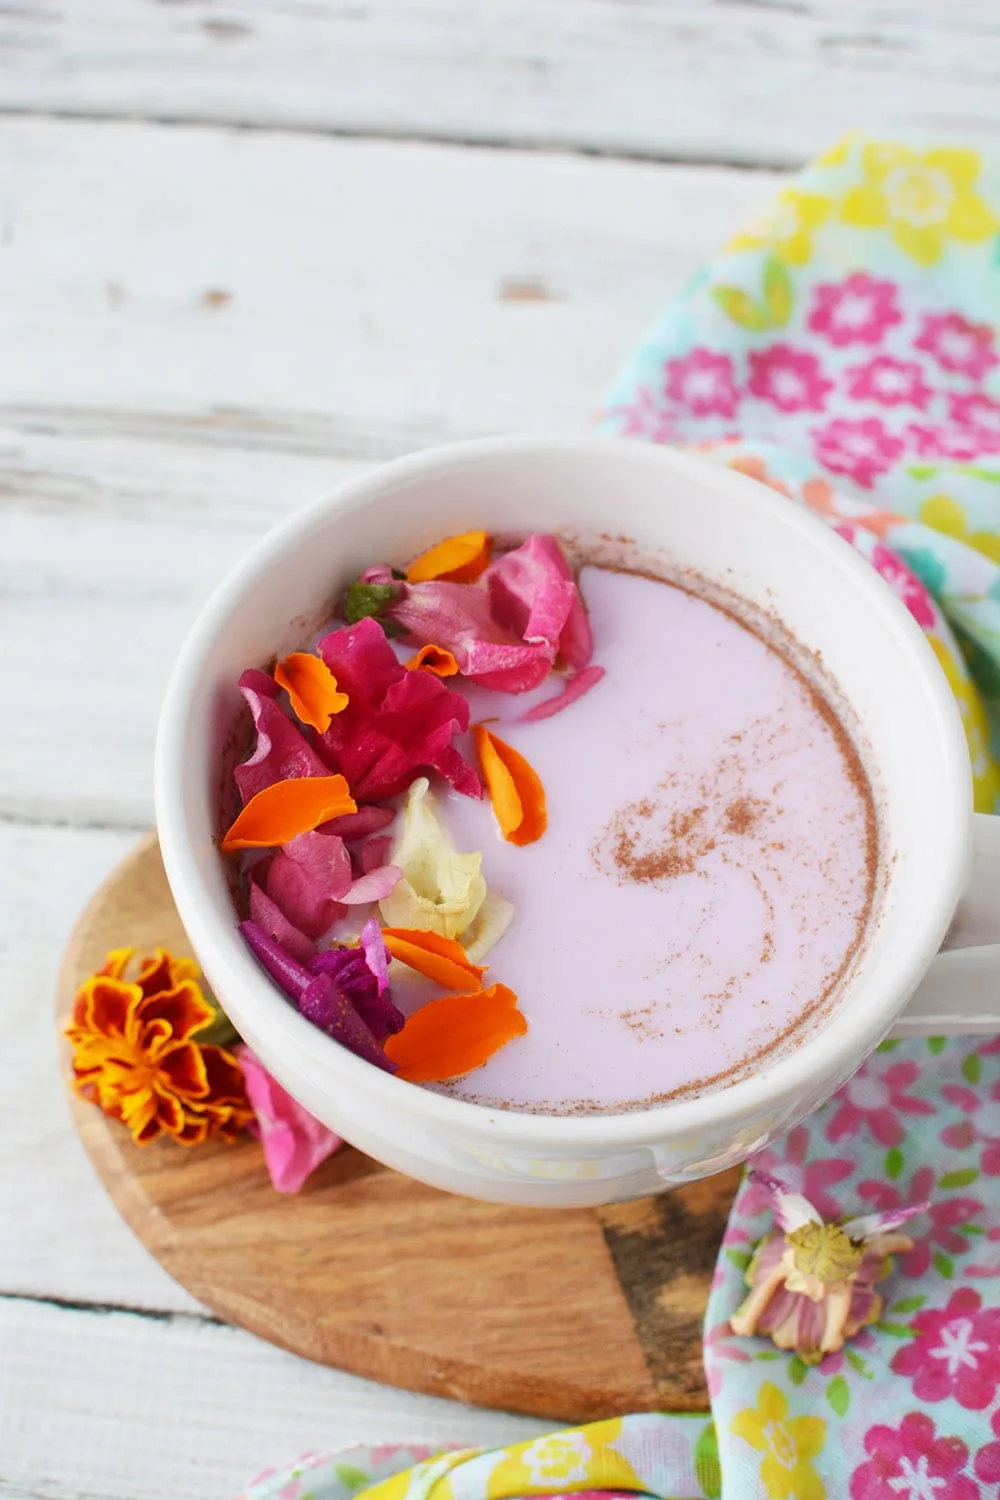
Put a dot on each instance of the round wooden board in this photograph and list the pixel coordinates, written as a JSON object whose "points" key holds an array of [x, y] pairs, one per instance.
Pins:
{"points": [[570, 1314]]}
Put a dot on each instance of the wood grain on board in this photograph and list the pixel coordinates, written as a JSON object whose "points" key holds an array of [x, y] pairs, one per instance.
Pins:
{"points": [[573, 1314], [737, 80]]}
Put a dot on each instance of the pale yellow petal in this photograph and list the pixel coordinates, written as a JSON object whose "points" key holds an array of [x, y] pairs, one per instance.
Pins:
{"points": [[487, 927], [441, 890]]}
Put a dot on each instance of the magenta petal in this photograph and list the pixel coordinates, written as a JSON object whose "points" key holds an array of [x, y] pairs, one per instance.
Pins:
{"points": [[294, 1141], [282, 752], [326, 1005], [308, 878], [374, 886], [376, 953], [456, 616], [533, 594], [268, 915], [574, 688], [362, 975], [287, 972], [363, 662], [358, 825]]}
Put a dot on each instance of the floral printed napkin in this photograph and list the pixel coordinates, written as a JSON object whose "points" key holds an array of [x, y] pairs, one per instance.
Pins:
{"points": [[842, 350]]}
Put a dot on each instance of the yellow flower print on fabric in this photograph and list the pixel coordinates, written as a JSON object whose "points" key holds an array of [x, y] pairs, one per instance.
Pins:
{"points": [[788, 1444], [923, 198], [580, 1458], [787, 226], [946, 515], [985, 772]]}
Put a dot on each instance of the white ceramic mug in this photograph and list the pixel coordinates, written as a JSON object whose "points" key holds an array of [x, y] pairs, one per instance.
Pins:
{"points": [[941, 865]]}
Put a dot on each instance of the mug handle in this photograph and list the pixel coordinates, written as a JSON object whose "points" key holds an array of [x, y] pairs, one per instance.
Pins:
{"points": [[960, 993]]}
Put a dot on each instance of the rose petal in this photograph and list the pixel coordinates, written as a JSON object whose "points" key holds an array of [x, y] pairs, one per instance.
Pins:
{"points": [[374, 886], [376, 953], [294, 1141], [575, 687], [268, 915], [308, 878], [374, 853], [360, 824], [456, 617], [450, 1037], [533, 593], [281, 751]]}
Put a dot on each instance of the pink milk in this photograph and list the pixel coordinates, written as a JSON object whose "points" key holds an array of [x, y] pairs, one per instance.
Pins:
{"points": [[707, 871]]}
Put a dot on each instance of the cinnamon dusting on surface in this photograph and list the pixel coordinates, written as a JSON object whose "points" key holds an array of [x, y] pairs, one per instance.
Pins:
{"points": [[743, 814]]}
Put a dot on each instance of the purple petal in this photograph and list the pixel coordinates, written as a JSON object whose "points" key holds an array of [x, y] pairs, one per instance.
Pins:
{"points": [[308, 879], [268, 915], [281, 752], [575, 688], [358, 825], [353, 975], [374, 886], [867, 1227], [791, 1210], [287, 972], [327, 1007]]}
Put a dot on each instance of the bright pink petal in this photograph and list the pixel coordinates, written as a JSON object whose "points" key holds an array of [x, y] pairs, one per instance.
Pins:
{"points": [[457, 617], [363, 662], [533, 594], [294, 1141], [268, 914], [358, 825], [574, 688], [282, 752], [308, 878]]}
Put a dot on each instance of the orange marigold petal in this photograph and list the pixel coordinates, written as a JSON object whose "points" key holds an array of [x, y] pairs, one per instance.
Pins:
{"points": [[226, 1084], [155, 972], [460, 559], [456, 1034], [105, 1005], [433, 659], [516, 792], [116, 962], [183, 1068], [437, 957], [287, 808], [312, 689], [184, 1009]]}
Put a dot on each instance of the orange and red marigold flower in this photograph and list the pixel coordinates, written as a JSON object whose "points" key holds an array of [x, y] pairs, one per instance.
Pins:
{"points": [[136, 1053]]}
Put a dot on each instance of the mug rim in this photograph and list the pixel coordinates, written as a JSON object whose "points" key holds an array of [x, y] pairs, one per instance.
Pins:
{"points": [[776, 1081]]}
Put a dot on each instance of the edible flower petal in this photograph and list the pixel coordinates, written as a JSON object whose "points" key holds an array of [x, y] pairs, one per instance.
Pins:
{"points": [[285, 809], [396, 723], [362, 974], [137, 1053], [294, 1141], [288, 973], [436, 659], [532, 593], [311, 688], [281, 751], [573, 689], [813, 1283], [487, 927], [268, 915], [459, 558], [358, 825], [308, 879], [440, 890], [456, 617], [438, 958], [517, 795], [449, 1037]]}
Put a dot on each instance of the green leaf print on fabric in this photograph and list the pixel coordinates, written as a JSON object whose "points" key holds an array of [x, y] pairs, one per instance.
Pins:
{"points": [[958, 1179], [838, 1394], [894, 1163], [778, 293], [740, 307], [972, 1069], [706, 1462]]}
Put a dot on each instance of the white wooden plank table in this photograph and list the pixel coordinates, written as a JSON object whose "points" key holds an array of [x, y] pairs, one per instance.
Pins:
{"points": [[438, 227]]}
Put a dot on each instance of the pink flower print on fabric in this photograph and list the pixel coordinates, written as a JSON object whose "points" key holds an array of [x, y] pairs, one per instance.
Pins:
{"points": [[974, 1129], [987, 1464], [910, 1462], [860, 449], [860, 310], [790, 379], [811, 1178], [956, 1353], [904, 584], [946, 1215], [646, 418], [957, 345], [888, 382], [979, 416], [874, 1100], [703, 383], [942, 442]]}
